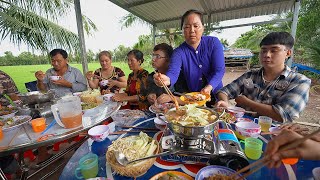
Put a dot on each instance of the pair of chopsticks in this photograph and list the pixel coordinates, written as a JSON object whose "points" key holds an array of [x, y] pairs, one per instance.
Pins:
{"points": [[169, 92], [265, 160], [142, 128], [123, 132]]}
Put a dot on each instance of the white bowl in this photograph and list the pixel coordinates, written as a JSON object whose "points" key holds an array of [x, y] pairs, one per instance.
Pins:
{"points": [[77, 94], [160, 124], [238, 112], [316, 173], [55, 78], [104, 82], [213, 170], [248, 129], [107, 97], [99, 133]]}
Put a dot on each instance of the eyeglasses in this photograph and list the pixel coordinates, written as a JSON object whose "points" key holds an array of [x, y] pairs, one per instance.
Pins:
{"points": [[272, 50], [157, 56]]}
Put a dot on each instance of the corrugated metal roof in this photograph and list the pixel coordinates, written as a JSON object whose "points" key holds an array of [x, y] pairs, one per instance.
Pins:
{"points": [[167, 13]]}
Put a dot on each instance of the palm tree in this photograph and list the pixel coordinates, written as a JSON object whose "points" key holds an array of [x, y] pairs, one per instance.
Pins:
{"points": [[33, 22]]}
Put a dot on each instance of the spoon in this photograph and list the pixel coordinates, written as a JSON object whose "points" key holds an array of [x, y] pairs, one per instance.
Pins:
{"points": [[122, 159]]}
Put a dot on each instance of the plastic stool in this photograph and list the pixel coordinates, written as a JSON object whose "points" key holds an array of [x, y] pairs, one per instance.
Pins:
{"points": [[29, 154]]}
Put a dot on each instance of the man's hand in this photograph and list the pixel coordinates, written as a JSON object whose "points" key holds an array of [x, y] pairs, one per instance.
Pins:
{"points": [[40, 75], [242, 101], [62, 82], [207, 89], [222, 104], [165, 79], [295, 127]]}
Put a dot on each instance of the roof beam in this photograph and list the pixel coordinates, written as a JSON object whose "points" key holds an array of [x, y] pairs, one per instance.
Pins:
{"points": [[261, 3], [129, 10], [131, 5]]}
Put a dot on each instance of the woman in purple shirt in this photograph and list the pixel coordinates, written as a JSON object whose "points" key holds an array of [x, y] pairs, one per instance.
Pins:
{"points": [[200, 58]]}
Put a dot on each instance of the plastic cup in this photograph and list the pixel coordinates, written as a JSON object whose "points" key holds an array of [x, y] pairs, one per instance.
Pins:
{"points": [[38, 125], [265, 123], [290, 161], [88, 166], [253, 148], [316, 173]]}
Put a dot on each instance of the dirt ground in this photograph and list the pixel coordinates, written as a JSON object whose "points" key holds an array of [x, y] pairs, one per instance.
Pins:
{"points": [[311, 113]]}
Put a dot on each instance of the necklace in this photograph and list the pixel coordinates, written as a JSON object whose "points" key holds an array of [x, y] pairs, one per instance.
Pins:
{"points": [[264, 80]]}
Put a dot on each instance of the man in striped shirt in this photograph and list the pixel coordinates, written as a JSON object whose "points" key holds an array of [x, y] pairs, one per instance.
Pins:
{"points": [[273, 90]]}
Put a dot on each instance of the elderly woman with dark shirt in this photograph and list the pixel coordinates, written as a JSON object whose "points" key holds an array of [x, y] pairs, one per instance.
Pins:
{"points": [[200, 58], [137, 81]]}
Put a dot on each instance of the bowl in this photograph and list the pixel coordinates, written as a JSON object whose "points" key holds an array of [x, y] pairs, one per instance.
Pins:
{"points": [[107, 97], [103, 82], [200, 103], [316, 173], [168, 174], [77, 94], [99, 133], [238, 112], [160, 124], [248, 129], [215, 170], [126, 117], [55, 78]]}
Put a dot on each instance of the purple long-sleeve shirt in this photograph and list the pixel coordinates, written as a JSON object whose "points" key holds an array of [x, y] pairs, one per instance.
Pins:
{"points": [[206, 61]]}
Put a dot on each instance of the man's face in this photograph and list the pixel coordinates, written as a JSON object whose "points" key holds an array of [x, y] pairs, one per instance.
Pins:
{"points": [[192, 29], [58, 62], [274, 56], [159, 60]]}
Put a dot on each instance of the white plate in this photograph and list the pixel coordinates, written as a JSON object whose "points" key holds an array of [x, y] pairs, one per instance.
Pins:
{"points": [[159, 121], [19, 120]]}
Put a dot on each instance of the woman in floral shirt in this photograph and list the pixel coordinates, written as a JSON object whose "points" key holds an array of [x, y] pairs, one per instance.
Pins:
{"points": [[136, 82]]}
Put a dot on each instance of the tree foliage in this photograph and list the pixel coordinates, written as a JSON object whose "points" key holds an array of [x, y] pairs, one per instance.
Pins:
{"points": [[33, 22]]}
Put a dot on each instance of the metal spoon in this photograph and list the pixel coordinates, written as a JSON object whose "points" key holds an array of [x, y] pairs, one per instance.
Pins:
{"points": [[122, 159]]}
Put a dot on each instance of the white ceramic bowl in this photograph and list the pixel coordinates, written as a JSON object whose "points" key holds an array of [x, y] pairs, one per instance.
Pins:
{"points": [[103, 82], [160, 124], [316, 173], [55, 78], [213, 170], [99, 133], [238, 112], [248, 129], [107, 97]]}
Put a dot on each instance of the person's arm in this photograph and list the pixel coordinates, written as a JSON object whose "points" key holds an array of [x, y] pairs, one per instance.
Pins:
{"points": [[294, 99], [93, 82], [308, 150], [80, 83], [217, 65], [122, 82], [223, 100], [260, 108], [174, 68], [40, 80]]}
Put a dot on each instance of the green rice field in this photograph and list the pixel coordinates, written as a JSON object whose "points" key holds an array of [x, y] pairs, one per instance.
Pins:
{"points": [[25, 73]]}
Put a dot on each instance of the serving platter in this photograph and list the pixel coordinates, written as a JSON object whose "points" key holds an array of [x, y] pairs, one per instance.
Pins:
{"points": [[14, 122]]}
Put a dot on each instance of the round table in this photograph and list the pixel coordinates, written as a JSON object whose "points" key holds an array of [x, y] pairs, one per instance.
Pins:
{"points": [[301, 170]]}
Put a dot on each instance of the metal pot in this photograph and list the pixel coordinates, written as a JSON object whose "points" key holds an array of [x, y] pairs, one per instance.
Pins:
{"points": [[192, 132], [36, 97]]}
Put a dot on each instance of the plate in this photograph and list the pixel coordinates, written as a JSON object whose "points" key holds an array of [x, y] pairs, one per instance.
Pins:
{"points": [[192, 94], [162, 108], [16, 122], [215, 170], [181, 175], [7, 112]]}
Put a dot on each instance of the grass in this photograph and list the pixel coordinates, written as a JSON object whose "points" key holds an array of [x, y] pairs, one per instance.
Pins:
{"points": [[25, 73]]}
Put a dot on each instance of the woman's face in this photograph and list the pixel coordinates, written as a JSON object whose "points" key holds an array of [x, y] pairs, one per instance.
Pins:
{"points": [[192, 29], [105, 62], [159, 60], [133, 62]]}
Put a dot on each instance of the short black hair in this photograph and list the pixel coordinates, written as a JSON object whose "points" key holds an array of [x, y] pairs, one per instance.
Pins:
{"points": [[191, 11], [166, 48], [283, 38], [137, 54], [59, 51]]}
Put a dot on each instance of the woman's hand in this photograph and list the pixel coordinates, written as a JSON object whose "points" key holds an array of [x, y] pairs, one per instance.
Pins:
{"points": [[89, 75], [112, 83], [120, 97], [207, 89]]}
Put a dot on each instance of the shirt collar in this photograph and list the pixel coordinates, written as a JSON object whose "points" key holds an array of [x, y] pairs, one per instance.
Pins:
{"points": [[285, 73], [191, 48]]}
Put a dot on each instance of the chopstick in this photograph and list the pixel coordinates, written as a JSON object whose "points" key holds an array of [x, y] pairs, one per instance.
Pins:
{"points": [[265, 160], [123, 132], [142, 128], [169, 92]]}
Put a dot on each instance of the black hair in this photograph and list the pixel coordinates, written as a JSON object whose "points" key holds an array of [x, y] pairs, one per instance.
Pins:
{"points": [[137, 54], [166, 48], [283, 38], [59, 51], [191, 11]]}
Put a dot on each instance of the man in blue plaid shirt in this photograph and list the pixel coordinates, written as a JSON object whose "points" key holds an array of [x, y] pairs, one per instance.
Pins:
{"points": [[274, 90]]}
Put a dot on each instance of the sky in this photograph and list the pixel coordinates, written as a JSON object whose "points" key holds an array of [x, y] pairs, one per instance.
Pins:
{"points": [[106, 17]]}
